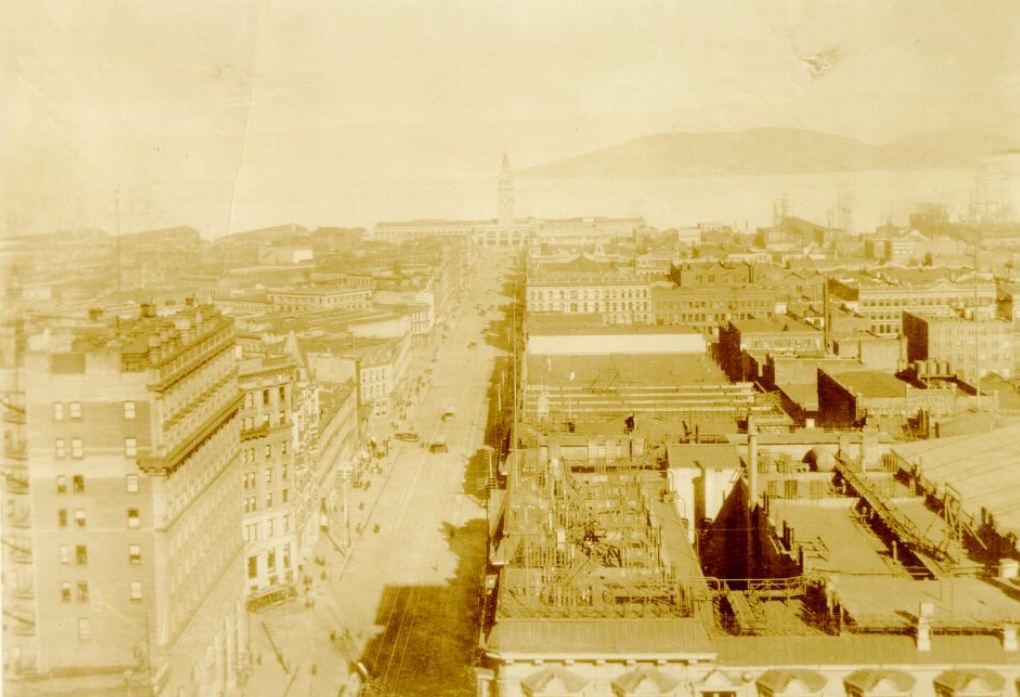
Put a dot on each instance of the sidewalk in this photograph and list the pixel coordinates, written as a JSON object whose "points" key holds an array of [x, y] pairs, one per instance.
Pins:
{"points": [[310, 662]]}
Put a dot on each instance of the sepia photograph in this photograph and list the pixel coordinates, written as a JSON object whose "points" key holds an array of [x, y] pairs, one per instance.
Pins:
{"points": [[545, 348]]}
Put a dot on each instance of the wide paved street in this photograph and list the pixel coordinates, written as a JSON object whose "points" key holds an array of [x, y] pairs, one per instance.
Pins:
{"points": [[404, 601]]}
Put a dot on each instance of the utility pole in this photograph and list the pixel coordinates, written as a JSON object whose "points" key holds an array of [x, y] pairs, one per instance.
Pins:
{"points": [[513, 431], [116, 240], [977, 339]]}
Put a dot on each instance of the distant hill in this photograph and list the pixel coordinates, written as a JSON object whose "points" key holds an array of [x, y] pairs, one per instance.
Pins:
{"points": [[770, 151]]}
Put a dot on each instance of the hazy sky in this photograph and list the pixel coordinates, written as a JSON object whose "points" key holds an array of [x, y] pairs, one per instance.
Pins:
{"points": [[229, 115]]}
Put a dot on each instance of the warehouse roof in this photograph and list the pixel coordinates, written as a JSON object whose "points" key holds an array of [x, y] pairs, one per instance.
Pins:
{"points": [[984, 468], [871, 383]]}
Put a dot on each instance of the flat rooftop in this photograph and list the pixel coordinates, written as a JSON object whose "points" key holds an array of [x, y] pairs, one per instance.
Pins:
{"points": [[877, 592], [715, 456], [871, 383], [611, 370], [764, 325]]}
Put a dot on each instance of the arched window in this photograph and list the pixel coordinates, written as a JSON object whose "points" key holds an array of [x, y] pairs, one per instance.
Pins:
{"points": [[879, 683], [790, 683], [556, 681], [646, 680], [973, 682]]}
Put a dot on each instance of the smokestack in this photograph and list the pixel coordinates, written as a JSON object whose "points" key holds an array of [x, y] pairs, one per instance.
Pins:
{"points": [[1009, 639], [924, 614], [869, 448]]}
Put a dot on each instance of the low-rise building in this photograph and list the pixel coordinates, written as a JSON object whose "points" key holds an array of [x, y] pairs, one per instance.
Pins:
{"points": [[706, 308], [852, 398], [694, 274], [379, 367], [883, 301], [777, 336], [337, 297], [972, 346]]}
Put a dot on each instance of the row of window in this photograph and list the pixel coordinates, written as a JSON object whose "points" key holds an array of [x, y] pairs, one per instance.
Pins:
{"points": [[251, 502], [66, 594], [77, 450], [589, 294], [249, 397], [905, 301], [591, 307], [249, 424], [80, 518], [73, 410], [251, 530], [248, 454], [78, 483], [253, 561], [249, 478]]}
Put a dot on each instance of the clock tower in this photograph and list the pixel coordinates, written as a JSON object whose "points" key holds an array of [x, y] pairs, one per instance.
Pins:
{"points": [[506, 193]]}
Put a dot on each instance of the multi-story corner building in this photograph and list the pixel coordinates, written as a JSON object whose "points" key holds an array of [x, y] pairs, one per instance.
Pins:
{"points": [[381, 369], [883, 302], [378, 367], [134, 481], [708, 307], [419, 304], [337, 297], [615, 299], [972, 346], [268, 472], [586, 286]]}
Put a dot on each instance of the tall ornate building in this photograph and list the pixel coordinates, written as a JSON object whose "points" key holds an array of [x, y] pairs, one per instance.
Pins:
{"points": [[133, 481]]}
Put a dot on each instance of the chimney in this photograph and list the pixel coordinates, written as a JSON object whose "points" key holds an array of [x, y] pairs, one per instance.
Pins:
{"points": [[924, 614], [869, 447], [1009, 640], [844, 446]]}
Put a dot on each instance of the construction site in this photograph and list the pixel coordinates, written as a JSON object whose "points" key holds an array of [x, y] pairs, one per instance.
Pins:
{"points": [[765, 564]]}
